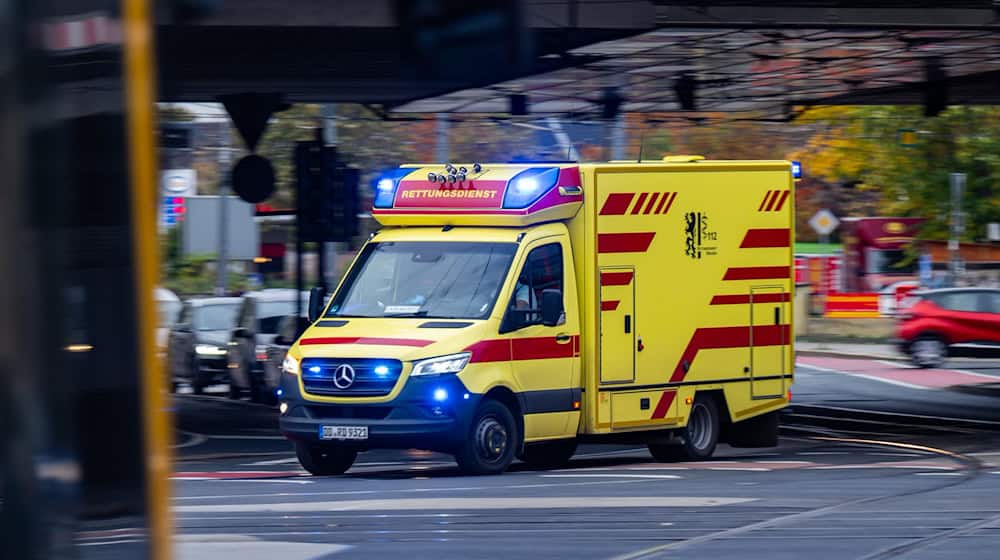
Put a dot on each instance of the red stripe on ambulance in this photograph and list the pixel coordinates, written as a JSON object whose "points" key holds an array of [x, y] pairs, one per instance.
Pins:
{"points": [[769, 237], [535, 348], [781, 203], [617, 204], [663, 405], [735, 299], [624, 242], [616, 278], [757, 272], [638, 203], [708, 338], [374, 341], [610, 305]]}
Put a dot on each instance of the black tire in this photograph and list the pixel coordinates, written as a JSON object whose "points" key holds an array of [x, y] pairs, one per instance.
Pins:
{"points": [[491, 442], [928, 351], [324, 460], [699, 437], [197, 385], [759, 431], [549, 454]]}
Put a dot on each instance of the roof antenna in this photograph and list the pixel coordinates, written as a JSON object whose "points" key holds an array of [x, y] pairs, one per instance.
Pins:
{"points": [[642, 142]]}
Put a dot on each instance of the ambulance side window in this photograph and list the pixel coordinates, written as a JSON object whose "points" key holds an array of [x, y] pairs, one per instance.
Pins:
{"points": [[543, 270]]}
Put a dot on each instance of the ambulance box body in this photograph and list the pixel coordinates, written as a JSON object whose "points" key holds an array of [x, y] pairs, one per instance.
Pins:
{"points": [[515, 310]]}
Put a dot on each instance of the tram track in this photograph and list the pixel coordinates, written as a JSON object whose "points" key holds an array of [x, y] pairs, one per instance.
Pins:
{"points": [[832, 425]]}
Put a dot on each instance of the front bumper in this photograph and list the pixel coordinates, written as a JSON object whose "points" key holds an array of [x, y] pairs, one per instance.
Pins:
{"points": [[414, 419], [213, 369]]}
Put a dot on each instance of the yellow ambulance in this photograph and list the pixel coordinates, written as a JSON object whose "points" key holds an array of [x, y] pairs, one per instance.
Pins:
{"points": [[515, 310]]}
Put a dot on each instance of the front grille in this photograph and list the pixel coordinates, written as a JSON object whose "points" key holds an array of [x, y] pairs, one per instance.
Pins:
{"points": [[372, 377], [347, 411]]}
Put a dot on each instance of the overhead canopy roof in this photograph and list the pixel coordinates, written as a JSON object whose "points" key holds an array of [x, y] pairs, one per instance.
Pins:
{"points": [[744, 55], [753, 70]]}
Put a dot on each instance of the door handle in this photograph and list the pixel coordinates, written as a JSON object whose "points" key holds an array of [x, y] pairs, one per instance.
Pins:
{"points": [[628, 324], [777, 315], [563, 338]]}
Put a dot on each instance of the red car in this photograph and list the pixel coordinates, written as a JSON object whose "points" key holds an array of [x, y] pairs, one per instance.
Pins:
{"points": [[951, 322]]}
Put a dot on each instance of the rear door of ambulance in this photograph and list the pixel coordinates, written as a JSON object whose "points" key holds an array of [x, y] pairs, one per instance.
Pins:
{"points": [[695, 269]]}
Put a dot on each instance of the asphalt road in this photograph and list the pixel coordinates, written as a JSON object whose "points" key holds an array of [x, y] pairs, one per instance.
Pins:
{"points": [[863, 486]]}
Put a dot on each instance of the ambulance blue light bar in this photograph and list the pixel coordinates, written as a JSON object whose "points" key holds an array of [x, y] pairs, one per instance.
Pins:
{"points": [[385, 187], [796, 170], [525, 188]]}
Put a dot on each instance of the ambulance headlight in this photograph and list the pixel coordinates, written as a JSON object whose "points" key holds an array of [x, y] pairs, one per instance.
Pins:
{"points": [[529, 185], [452, 363], [386, 185], [291, 365]]}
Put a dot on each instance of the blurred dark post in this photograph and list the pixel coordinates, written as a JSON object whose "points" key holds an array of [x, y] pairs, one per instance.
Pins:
{"points": [[84, 443]]}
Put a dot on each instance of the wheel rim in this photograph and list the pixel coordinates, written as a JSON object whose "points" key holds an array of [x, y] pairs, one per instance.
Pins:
{"points": [[928, 350], [491, 439], [699, 427]]}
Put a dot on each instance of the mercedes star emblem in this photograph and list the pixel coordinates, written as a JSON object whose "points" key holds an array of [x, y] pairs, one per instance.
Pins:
{"points": [[343, 376]]}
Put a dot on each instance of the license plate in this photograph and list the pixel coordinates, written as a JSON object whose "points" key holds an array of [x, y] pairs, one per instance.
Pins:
{"points": [[343, 432]]}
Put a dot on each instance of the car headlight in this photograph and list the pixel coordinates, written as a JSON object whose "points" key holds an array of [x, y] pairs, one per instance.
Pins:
{"points": [[452, 363], [209, 350], [291, 365]]}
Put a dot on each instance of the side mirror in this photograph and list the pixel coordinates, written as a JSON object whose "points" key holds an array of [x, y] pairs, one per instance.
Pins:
{"points": [[317, 297], [552, 307], [241, 332]]}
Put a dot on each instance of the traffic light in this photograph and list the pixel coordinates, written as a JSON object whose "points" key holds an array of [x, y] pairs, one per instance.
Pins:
{"points": [[173, 210], [327, 194]]}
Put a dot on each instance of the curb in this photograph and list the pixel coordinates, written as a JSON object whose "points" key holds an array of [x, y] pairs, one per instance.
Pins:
{"points": [[838, 354]]}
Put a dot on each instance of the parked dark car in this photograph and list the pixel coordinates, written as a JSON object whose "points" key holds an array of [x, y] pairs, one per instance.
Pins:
{"points": [[951, 322], [256, 327], [197, 344]]}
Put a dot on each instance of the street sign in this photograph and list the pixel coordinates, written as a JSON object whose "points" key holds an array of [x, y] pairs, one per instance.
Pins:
{"points": [[824, 222], [993, 231]]}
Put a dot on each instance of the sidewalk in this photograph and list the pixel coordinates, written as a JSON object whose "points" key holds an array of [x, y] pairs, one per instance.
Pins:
{"points": [[848, 350]]}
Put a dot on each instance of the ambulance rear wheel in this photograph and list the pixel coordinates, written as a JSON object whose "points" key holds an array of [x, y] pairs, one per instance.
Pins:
{"points": [[549, 454], [699, 436], [324, 460], [492, 439]]}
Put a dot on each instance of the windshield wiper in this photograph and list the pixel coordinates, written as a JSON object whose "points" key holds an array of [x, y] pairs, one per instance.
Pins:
{"points": [[411, 314]]}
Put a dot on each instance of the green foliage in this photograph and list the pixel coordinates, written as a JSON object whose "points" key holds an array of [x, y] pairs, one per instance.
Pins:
{"points": [[861, 144], [193, 274]]}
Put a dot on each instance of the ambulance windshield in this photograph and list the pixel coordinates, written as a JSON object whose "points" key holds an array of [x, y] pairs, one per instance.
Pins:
{"points": [[443, 280]]}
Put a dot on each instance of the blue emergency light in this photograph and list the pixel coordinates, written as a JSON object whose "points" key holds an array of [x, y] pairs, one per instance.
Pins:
{"points": [[796, 170], [529, 185], [385, 187]]}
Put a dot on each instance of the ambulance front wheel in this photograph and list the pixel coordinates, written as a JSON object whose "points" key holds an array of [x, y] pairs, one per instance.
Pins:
{"points": [[699, 436], [491, 441], [324, 459]]}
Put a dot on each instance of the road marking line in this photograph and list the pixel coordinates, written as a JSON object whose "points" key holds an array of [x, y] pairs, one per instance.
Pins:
{"points": [[939, 474], [673, 476], [476, 503], [609, 453], [402, 491], [878, 466], [787, 462], [751, 469], [271, 462]]}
